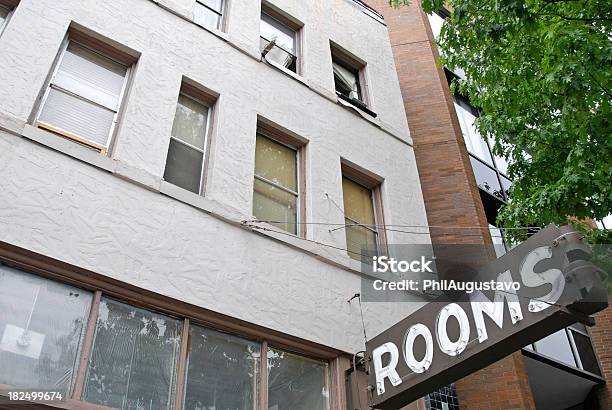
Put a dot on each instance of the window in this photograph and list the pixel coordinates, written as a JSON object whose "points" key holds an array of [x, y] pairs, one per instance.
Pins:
{"points": [[186, 159], [362, 235], [209, 13], [296, 383], [39, 343], [125, 357], [349, 78], [134, 358], [84, 96], [571, 346], [222, 371], [276, 196], [5, 15], [279, 39]]}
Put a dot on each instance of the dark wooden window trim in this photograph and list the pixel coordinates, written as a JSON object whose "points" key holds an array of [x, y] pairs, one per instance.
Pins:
{"points": [[54, 269]]}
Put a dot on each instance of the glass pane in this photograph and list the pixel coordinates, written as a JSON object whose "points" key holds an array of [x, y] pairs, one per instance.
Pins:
{"points": [[506, 184], [276, 162], [273, 204], [360, 241], [78, 117], [436, 22], [184, 166], [272, 29], [586, 353], [498, 240], [296, 383], [91, 75], [486, 178], [556, 346], [475, 144], [222, 371], [213, 4], [190, 122], [206, 17], [346, 81], [358, 203], [42, 324], [279, 56], [3, 15], [133, 360]]}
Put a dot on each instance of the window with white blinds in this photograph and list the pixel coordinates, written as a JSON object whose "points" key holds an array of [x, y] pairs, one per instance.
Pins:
{"points": [[84, 96]]}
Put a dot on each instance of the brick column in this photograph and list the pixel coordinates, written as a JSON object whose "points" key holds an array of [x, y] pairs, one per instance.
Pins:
{"points": [[449, 189], [601, 336]]}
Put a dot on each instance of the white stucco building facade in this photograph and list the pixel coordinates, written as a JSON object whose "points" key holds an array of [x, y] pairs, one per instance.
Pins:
{"points": [[113, 214]]}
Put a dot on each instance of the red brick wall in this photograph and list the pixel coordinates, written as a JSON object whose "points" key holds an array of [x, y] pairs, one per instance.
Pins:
{"points": [[601, 335], [449, 188]]}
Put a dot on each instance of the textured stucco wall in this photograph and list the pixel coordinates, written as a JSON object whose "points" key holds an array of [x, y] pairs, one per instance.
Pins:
{"points": [[56, 205]]}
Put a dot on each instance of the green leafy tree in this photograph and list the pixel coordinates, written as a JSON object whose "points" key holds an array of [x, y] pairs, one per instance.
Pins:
{"points": [[540, 71]]}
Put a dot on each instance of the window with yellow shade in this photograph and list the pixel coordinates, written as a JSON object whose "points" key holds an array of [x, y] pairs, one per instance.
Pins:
{"points": [[276, 192], [360, 219]]}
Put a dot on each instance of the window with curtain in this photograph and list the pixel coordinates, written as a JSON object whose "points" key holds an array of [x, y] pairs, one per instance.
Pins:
{"points": [[346, 80], [42, 325], [296, 382], [133, 359], [360, 219], [222, 371], [275, 191], [209, 13], [284, 50], [84, 96], [184, 164]]}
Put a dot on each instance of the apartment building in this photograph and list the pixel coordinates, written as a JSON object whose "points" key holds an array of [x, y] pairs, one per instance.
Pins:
{"points": [[566, 370], [170, 171]]}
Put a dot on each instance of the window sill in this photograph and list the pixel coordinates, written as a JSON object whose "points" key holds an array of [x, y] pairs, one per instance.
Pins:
{"points": [[67, 404]]}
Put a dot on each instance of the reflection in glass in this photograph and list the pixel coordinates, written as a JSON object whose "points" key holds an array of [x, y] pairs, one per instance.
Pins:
{"points": [[222, 371], [296, 383], [486, 178], [42, 324], [133, 359], [475, 144], [556, 346]]}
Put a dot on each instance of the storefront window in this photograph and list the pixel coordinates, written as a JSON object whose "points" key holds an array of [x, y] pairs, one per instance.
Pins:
{"points": [[42, 324], [222, 371], [134, 358], [296, 383]]}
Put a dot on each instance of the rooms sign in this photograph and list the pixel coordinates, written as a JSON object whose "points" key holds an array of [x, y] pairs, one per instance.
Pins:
{"points": [[445, 341]]}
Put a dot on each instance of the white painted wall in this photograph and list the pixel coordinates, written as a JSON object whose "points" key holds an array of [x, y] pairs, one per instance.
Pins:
{"points": [[56, 205]]}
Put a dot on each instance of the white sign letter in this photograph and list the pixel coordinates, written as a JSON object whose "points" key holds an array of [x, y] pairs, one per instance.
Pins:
{"points": [[448, 347], [531, 279], [387, 371], [412, 333], [495, 309]]}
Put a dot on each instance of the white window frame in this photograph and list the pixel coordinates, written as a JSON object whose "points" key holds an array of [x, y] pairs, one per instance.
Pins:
{"points": [[206, 135], [298, 193], [103, 149]]}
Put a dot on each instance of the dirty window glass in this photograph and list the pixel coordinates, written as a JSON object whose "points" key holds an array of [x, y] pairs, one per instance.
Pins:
{"points": [[296, 383], [42, 324], [134, 358], [222, 371]]}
